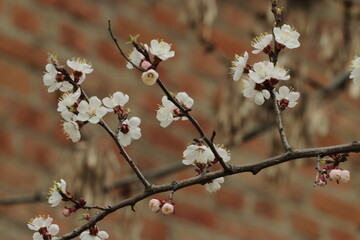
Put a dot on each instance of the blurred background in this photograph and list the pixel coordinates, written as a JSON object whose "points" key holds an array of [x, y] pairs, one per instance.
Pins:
{"points": [[277, 204]]}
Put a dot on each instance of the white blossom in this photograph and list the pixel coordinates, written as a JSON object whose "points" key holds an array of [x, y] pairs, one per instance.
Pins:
{"points": [[355, 70], [80, 69], [238, 65], [339, 175], [223, 152], [280, 73], [55, 197], [54, 80], [43, 225], [149, 77], [214, 185], [287, 36], [195, 154], [67, 101], [129, 130], [252, 90], [161, 49], [184, 99], [165, 114], [261, 42], [167, 209], [261, 71], [117, 100], [154, 205], [97, 235], [135, 57], [91, 111], [71, 130], [286, 97]]}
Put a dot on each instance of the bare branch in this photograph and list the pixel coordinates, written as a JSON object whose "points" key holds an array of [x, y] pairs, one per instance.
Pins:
{"points": [[202, 179]]}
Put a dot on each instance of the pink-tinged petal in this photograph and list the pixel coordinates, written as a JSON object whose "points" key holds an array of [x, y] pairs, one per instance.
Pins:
{"points": [[82, 117], [94, 119], [292, 104], [134, 122], [293, 96], [47, 222], [108, 102], [53, 229], [94, 102], [284, 91], [101, 111], [103, 234], [124, 139], [37, 236], [83, 106], [266, 94], [135, 133], [259, 98]]}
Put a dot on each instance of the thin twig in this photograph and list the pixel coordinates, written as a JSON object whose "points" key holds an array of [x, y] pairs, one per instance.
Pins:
{"points": [[138, 173], [119, 48], [194, 123], [279, 123], [201, 179]]}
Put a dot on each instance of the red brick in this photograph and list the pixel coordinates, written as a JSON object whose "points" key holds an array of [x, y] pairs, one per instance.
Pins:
{"points": [[25, 19], [74, 38], [163, 138], [207, 64], [266, 208], [238, 18], [167, 17], [339, 234], [186, 82], [108, 51], [17, 175], [305, 225], [80, 8], [125, 27], [154, 229], [5, 142], [196, 214], [39, 152], [230, 198], [26, 116], [229, 44], [337, 208], [15, 78], [31, 54], [248, 232]]}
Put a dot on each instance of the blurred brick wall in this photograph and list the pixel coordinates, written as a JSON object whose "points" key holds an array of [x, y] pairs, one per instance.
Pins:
{"points": [[247, 207]]}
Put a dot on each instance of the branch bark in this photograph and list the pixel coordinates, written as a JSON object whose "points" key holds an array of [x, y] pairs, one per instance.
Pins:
{"points": [[254, 168]]}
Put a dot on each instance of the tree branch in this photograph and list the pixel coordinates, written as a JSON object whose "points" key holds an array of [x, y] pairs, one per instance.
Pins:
{"points": [[254, 168]]}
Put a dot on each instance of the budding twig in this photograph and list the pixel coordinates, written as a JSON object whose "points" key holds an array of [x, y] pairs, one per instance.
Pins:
{"points": [[253, 167]]}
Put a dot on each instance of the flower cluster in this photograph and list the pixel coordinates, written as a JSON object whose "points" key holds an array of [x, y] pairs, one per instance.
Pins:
{"points": [[57, 192], [140, 58], [43, 228], [77, 110], [202, 157], [355, 70], [166, 207], [332, 171], [263, 76], [93, 233], [168, 112]]}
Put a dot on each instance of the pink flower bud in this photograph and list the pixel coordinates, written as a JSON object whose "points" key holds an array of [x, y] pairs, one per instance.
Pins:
{"points": [[145, 65], [154, 205], [66, 212], [167, 209]]}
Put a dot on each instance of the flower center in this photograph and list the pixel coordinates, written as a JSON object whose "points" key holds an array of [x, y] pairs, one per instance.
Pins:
{"points": [[124, 128]]}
